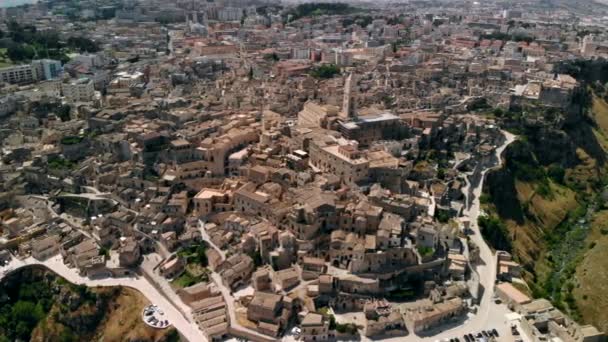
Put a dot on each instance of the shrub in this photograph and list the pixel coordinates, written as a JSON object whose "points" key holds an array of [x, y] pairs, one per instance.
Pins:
{"points": [[442, 216], [441, 173], [495, 232], [556, 173], [544, 190], [425, 251], [348, 328], [485, 199], [71, 140]]}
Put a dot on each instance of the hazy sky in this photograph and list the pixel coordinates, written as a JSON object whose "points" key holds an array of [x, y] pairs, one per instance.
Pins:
{"points": [[10, 3]]}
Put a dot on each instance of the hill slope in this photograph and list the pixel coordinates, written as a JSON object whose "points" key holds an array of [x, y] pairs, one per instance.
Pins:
{"points": [[547, 196], [37, 305]]}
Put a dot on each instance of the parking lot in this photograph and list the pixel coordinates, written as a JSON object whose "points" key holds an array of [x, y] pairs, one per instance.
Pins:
{"points": [[155, 317]]}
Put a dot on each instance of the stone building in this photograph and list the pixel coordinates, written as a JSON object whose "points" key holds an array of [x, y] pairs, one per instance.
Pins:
{"points": [[427, 316], [236, 270], [342, 159], [315, 328], [270, 312], [382, 320]]}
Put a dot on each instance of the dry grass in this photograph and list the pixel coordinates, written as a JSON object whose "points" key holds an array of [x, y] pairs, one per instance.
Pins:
{"points": [[241, 317], [47, 328], [600, 111], [600, 115], [549, 212], [124, 321], [585, 173], [592, 275], [523, 288], [552, 210]]}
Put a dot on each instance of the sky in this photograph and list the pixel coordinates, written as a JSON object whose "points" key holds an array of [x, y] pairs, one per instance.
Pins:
{"points": [[10, 3]]}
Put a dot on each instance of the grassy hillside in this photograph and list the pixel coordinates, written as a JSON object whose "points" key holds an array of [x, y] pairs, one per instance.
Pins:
{"points": [[547, 197], [37, 305], [592, 275], [592, 271]]}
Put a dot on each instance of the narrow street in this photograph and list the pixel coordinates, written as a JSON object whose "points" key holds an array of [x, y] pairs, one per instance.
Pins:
{"points": [[207, 239]]}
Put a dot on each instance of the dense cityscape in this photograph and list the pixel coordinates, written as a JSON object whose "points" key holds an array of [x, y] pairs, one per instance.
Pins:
{"points": [[261, 170]]}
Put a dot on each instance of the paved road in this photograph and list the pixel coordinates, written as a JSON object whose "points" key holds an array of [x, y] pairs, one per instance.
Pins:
{"points": [[189, 331], [207, 238], [147, 267], [229, 299]]}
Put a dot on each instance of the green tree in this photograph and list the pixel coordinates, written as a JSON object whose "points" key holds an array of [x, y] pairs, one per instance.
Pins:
{"points": [[442, 216], [173, 336], [441, 173], [20, 52], [325, 71], [556, 173], [63, 112], [257, 259], [25, 316], [201, 255], [495, 232], [316, 9], [82, 44], [272, 57]]}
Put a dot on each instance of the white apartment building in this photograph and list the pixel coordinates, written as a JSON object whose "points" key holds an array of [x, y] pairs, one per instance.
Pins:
{"points": [[44, 69], [230, 14], [81, 90], [300, 53], [24, 73]]}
